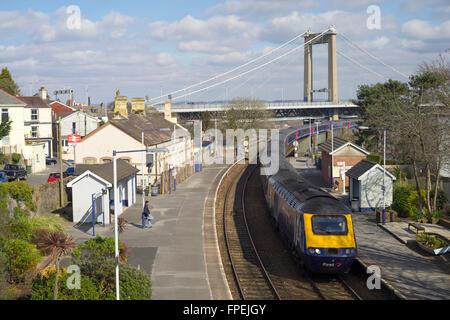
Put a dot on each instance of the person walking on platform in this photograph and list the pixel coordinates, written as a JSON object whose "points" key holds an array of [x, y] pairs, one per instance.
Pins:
{"points": [[146, 216]]}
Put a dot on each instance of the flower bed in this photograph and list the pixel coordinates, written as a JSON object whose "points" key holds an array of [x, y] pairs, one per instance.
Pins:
{"points": [[433, 243]]}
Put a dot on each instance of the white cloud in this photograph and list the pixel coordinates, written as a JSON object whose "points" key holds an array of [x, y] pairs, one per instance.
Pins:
{"points": [[217, 34], [424, 30], [412, 44]]}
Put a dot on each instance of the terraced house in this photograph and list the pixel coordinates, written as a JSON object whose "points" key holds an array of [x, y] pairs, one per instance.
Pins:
{"points": [[19, 112]]}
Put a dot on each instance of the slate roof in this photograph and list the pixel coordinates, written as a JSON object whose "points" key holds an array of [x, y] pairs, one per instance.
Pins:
{"points": [[105, 171], [35, 102], [134, 124], [360, 168], [337, 144], [7, 100]]}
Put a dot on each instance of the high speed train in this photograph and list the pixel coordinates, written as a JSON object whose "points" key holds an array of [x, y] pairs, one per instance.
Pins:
{"points": [[316, 224]]}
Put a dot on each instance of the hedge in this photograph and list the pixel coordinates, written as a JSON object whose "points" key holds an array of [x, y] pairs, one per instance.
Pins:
{"points": [[43, 286], [22, 257]]}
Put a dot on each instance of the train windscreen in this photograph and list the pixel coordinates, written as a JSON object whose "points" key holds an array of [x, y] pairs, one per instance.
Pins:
{"points": [[329, 225]]}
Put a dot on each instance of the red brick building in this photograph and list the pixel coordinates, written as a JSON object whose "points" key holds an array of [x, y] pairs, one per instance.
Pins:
{"points": [[345, 155]]}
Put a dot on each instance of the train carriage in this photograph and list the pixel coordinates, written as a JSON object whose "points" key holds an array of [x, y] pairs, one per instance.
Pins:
{"points": [[315, 223]]}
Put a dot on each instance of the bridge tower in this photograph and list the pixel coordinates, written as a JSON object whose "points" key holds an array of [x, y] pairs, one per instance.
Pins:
{"points": [[330, 39]]}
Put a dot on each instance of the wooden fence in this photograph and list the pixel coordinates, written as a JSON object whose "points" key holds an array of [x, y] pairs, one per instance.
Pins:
{"points": [[182, 174]]}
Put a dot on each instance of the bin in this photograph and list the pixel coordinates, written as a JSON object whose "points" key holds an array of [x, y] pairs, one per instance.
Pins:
{"points": [[29, 170], [198, 167], [155, 190]]}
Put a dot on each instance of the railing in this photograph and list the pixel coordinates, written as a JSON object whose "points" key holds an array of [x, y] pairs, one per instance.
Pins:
{"points": [[270, 105], [9, 149]]}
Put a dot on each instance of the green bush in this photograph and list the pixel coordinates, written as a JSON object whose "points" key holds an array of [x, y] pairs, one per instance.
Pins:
{"points": [[15, 157], [52, 223], [43, 285], [441, 200], [20, 191], [375, 158], [97, 247], [22, 258], [19, 213], [20, 228], [401, 200], [431, 241], [134, 284], [3, 159]]}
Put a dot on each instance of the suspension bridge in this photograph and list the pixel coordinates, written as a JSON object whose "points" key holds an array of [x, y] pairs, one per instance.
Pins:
{"points": [[333, 108]]}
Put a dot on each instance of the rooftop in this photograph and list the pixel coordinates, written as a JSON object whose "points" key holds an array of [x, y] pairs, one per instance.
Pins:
{"points": [[8, 100], [35, 102], [134, 125], [105, 171], [338, 143]]}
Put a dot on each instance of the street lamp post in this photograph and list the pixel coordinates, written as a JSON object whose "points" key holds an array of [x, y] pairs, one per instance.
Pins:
{"points": [[116, 208], [384, 168], [332, 159], [143, 159]]}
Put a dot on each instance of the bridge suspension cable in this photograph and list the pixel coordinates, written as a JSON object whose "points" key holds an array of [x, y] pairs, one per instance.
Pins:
{"points": [[248, 71], [232, 70], [359, 65], [371, 55]]}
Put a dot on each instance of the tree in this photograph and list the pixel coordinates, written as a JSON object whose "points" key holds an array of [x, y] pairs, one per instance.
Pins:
{"points": [[206, 118], [416, 119], [373, 101], [246, 113], [58, 245], [7, 83]]}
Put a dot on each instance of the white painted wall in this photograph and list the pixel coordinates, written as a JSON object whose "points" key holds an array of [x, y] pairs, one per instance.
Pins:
{"points": [[35, 156], [44, 122], [17, 133], [371, 192], [101, 145], [82, 192], [81, 121]]}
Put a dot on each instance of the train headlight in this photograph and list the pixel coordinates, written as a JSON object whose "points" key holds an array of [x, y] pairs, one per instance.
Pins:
{"points": [[347, 251], [353, 250], [311, 250], [317, 251]]}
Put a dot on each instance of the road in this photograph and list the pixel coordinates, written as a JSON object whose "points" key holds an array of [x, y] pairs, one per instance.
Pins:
{"points": [[41, 177]]}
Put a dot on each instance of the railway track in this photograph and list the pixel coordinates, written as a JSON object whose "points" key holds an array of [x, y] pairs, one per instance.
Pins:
{"points": [[249, 273], [258, 264]]}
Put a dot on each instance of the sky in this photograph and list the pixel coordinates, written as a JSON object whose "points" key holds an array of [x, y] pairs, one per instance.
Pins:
{"points": [[145, 48]]}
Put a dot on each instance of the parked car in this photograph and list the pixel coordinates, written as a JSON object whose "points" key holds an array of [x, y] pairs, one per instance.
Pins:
{"points": [[54, 176], [49, 161], [70, 171], [3, 177], [15, 172]]}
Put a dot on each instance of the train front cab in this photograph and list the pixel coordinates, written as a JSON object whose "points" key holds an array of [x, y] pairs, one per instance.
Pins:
{"points": [[331, 249]]}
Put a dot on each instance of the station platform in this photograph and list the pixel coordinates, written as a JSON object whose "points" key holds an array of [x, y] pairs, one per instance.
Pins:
{"points": [[409, 271], [180, 251]]}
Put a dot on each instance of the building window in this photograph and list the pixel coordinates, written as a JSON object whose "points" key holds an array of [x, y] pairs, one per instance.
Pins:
{"points": [[34, 131], [127, 160], [106, 160], [65, 143], [34, 114], [74, 127], [89, 160], [5, 116]]}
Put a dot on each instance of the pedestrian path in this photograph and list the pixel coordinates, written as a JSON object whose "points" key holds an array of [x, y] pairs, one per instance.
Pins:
{"points": [[173, 251], [400, 230], [413, 273], [173, 248]]}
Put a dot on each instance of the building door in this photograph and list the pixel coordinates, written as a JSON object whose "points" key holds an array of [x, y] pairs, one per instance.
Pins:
{"points": [[356, 186]]}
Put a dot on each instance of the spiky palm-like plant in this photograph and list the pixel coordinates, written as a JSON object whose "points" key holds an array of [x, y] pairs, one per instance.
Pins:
{"points": [[57, 244]]}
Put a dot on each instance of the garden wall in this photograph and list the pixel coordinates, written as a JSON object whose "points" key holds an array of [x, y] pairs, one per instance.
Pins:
{"points": [[47, 196]]}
